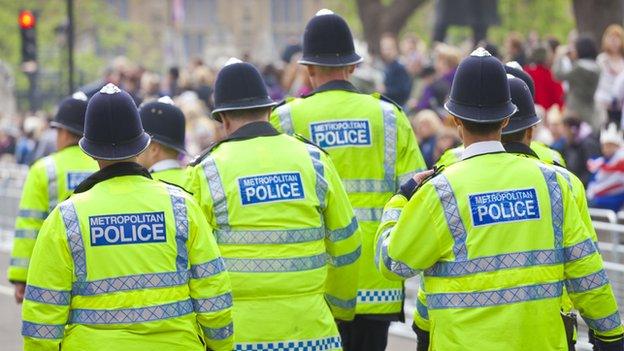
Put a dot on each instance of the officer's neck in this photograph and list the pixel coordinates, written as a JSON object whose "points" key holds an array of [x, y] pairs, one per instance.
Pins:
{"points": [[230, 125], [470, 139], [320, 76], [105, 163]]}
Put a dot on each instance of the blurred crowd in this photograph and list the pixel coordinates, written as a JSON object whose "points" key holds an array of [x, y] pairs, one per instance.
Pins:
{"points": [[579, 94]]}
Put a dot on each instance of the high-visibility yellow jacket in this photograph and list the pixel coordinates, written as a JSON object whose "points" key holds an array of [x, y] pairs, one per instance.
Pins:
{"points": [[287, 234], [496, 250], [421, 316], [50, 180], [172, 172], [546, 154], [374, 149], [130, 264]]}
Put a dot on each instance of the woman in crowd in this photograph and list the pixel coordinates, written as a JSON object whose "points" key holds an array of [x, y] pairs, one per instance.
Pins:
{"points": [[611, 62]]}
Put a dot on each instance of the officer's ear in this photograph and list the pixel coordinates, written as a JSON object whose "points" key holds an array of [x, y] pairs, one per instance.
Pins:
{"points": [[311, 70], [505, 123], [351, 69]]}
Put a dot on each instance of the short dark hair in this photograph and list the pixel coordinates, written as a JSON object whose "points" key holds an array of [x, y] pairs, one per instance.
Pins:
{"points": [[482, 128], [251, 113], [516, 137], [585, 48]]}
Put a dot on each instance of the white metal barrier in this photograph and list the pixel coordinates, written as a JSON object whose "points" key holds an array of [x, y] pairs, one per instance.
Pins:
{"points": [[608, 224]]}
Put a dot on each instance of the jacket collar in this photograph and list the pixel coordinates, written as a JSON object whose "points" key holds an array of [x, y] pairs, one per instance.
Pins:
{"points": [[112, 171], [252, 130], [336, 85], [165, 165], [520, 148], [482, 148]]}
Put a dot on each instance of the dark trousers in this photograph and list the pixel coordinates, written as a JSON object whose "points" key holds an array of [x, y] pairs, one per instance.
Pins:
{"points": [[364, 334]]}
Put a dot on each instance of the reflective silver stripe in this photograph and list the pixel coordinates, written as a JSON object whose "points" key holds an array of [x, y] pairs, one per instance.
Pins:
{"points": [[130, 282], [43, 331], [556, 203], [390, 140], [422, 309], [607, 323], [321, 183], [207, 269], [395, 266], [391, 214], [131, 315], [343, 233], [588, 282], [380, 296], [453, 218], [52, 182], [283, 112], [26, 233], [343, 260], [495, 297], [19, 262], [219, 333], [260, 265], [213, 304], [368, 185], [74, 239], [338, 302], [219, 201], [566, 176], [323, 344], [48, 296], [178, 203], [512, 260], [368, 214], [32, 214], [269, 236]]}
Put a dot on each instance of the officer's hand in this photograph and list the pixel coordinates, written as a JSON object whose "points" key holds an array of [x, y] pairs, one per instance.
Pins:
{"points": [[20, 288], [409, 188]]}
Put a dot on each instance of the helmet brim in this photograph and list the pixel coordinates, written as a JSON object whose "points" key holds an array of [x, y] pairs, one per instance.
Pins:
{"points": [[480, 114], [120, 151]]}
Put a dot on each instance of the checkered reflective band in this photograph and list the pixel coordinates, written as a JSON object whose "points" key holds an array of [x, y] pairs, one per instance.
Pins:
{"points": [[323, 344], [380, 296]]}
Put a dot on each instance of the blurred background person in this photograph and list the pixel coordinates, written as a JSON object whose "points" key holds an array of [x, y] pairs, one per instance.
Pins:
{"points": [[611, 63], [397, 84], [606, 187], [581, 145], [548, 91], [514, 47], [427, 125]]}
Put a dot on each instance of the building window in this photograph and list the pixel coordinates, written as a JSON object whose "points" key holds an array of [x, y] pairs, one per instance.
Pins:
{"points": [[286, 11], [199, 13]]}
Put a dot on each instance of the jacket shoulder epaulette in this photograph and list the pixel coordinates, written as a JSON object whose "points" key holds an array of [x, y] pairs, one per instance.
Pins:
{"points": [[387, 99], [202, 155], [176, 185], [309, 142], [284, 102]]}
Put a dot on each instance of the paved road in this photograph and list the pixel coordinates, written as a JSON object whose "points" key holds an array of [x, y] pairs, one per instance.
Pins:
{"points": [[10, 318]]}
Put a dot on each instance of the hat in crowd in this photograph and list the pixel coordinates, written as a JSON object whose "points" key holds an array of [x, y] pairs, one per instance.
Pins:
{"points": [[525, 117], [327, 41], [71, 113], [239, 86], [164, 122], [480, 92], [516, 70], [113, 129], [611, 135]]}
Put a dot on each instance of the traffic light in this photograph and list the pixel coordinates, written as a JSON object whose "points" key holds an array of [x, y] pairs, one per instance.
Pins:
{"points": [[27, 23]]}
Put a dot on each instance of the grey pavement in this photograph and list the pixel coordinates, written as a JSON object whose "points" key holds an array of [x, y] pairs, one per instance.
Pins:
{"points": [[10, 318]]}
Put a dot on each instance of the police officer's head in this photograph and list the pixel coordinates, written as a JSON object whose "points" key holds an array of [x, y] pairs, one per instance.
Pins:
{"points": [[480, 102], [520, 127], [69, 120], [113, 131], [328, 49], [166, 124], [240, 96]]}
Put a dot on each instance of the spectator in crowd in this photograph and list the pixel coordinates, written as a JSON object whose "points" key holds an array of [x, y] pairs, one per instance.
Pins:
{"points": [[150, 86], [577, 66], [427, 125], [272, 77], [611, 62], [447, 138], [554, 124], [204, 79], [27, 142], [606, 188], [548, 91], [171, 82], [514, 47], [295, 79], [412, 56], [580, 146], [434, 94], [7, 143], [397, 83]]}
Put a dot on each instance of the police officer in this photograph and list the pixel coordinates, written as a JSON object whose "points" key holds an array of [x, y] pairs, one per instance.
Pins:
{"points": [[544, 153], [477, 231], [373, 146], [166, 124], [50, 180], [127, 263], [283, 223]]}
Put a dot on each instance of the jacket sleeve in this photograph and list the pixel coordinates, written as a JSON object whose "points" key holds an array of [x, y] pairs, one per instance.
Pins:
{"points": [[33, 209], [344, 245], [412, 235], [209, 285], [578, 190], [409, 158], [46, 303], [275, 120], [198, 186], [585, 278]]}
